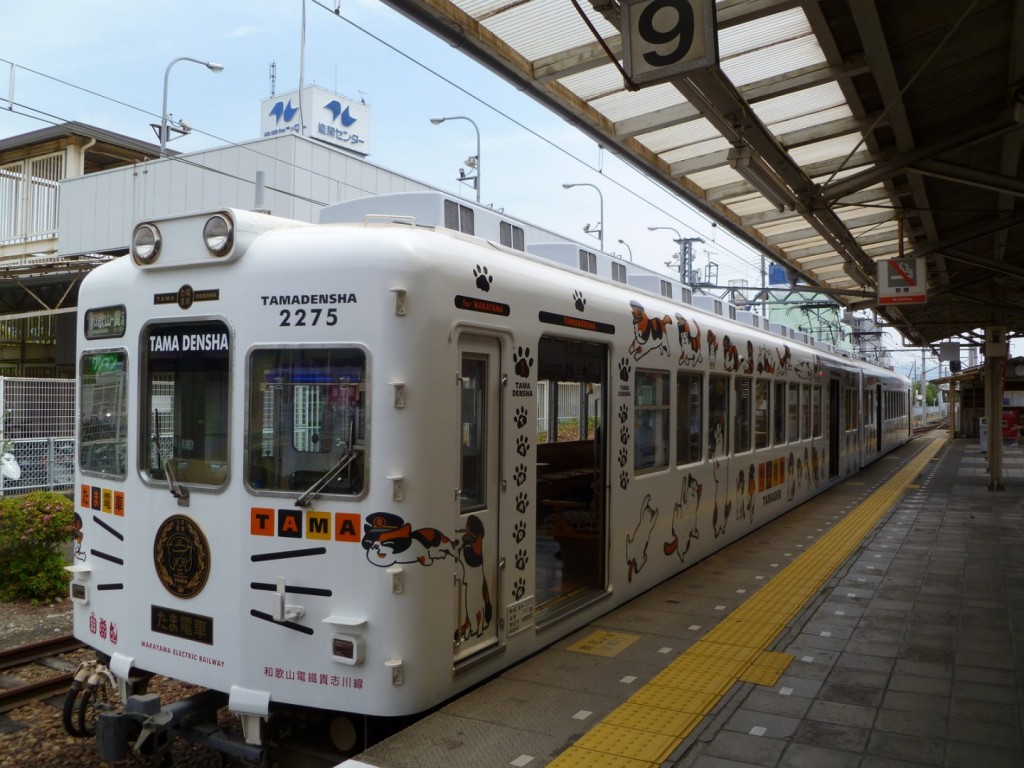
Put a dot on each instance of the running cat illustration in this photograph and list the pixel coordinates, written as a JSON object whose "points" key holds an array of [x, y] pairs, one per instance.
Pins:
{"points": [[388, 540], [475, 608], [636, 543]]}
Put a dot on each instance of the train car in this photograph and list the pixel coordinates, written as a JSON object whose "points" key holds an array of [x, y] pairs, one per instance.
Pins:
{"points": [[347, 470]]}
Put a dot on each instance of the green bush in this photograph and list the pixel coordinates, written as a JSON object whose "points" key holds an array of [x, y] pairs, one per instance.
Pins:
{"points": [[32, 529]]}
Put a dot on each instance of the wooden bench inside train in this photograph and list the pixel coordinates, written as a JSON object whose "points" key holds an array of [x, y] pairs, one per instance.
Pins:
{"points": [[568, 488]]}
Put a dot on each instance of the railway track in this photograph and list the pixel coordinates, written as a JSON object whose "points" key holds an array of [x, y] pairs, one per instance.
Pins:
{"points": [[27, 661]]}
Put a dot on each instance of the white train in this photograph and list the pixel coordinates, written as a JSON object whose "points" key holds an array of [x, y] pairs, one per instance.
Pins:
{"points": [[352, 469]]}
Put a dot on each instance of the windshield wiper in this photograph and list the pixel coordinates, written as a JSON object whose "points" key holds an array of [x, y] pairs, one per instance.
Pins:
{"points": [[178, 491], [316, 488]]}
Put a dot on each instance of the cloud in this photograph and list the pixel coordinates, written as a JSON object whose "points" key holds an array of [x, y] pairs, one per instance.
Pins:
{"points": [[243, 31]]}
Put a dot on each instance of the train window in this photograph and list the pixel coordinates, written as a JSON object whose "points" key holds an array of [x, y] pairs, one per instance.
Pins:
{"points": [[666, 289], [185, 403], [511, 236], [569, 391], [805, 411], [741, 418], [103, 422], [689, 417], [618, 272], [473, 483], [306, 420], [816, 410], [779, 413], [762, 409], [850, 403], [793, 413], [718, 415], [652, 420]]}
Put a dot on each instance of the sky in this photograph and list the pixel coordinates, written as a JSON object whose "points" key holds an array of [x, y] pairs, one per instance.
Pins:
{"points": [[103, 63]]}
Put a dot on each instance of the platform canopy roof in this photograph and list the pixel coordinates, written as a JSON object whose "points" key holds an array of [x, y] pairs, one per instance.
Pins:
{"points": [[828, 134]]}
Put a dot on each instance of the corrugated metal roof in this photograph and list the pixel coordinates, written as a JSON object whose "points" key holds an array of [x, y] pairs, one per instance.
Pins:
{"points": [[822, 125]]}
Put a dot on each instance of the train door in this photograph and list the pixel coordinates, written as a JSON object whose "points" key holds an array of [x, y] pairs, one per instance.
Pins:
{"points": [[835, 427], [477, 566], [571, 543]]}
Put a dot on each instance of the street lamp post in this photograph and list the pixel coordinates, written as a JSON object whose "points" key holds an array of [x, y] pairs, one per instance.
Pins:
{"points": [[623, 242], [476, 164], [685, 253], [167, 74], [599, 228]]}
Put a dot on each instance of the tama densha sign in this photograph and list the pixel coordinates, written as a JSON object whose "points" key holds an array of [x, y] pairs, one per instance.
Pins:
{"points": [[318, 114]]}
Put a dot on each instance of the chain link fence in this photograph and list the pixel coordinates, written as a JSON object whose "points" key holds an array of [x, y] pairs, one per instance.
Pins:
{"points": [[37, 435]]}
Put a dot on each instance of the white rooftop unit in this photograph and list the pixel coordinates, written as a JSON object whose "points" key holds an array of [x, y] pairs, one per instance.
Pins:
{"points": [[712, 304]]}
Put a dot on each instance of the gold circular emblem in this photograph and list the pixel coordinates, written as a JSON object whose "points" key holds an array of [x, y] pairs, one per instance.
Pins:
{"points": [[185, 296], [182, 556]]}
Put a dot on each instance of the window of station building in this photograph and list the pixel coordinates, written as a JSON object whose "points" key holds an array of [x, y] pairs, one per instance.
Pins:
{"points": [[718, 415], [459, 217], [779, 413], [666, 289], [184, 403], [618, 272], [689, 417], [793, 413], [762, 412], [588, 261], [741, 418], [103, 413], [512, 236], [651, 433], [307, 420]]}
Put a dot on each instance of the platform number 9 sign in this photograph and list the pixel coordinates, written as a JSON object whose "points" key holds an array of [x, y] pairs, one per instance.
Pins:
{"points": [[665, 38]]}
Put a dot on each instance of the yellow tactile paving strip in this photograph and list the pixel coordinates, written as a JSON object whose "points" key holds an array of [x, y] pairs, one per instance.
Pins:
{"points": [[648, 727]]}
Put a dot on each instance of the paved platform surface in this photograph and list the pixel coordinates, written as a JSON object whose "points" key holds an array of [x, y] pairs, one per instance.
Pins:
{"points": [[915, 654], [910, 653]]}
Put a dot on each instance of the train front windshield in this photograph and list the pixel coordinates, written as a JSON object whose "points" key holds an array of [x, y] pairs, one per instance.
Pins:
{"points": [[307, 420], [185, 402]]}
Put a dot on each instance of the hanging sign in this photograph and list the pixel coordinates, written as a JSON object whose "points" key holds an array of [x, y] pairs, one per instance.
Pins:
{"points": [[902, 281], [662, 39]]}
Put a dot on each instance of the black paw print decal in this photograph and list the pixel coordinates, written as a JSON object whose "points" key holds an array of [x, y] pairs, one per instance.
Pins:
{"points": [[623, 479], [522, 445], [520, 474], [522, 362], [623, 457], [519, 532], [519, 589], [579, 301], [624, 435], [520, 417], [623, 414], [483, 280], [625, 369], [521, 560], [522, 503]]}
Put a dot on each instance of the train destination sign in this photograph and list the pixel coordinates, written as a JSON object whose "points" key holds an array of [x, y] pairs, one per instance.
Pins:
{"points": [[486, 306], [567, 321], [902, 281]]}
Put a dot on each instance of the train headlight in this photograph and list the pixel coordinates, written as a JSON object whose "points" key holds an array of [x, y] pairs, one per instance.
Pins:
{"points": [[145, 244], [219, 235]]}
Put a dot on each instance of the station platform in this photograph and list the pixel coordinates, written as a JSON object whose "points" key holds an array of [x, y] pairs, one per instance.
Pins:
{"points": [[879, 624]]}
